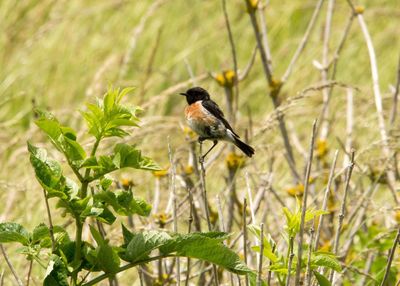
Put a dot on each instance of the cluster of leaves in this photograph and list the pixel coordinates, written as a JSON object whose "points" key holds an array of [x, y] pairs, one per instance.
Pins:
{"points": [[65, 257], [279, 263]]}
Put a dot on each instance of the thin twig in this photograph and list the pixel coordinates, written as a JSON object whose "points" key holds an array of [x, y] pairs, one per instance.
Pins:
{"points": [[378, 101], [390, 258], [244, 221], [342, 209], [205, 200], [260, 260], [395, 96], [51, 229], [304, 204], [304, 41], [28, 277], [368, 264], [234, 57], [17, 279], [310, 247], [324, 70], [325, 200], [291, 255]]}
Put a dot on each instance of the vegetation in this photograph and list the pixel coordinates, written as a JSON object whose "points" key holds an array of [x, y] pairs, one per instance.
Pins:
{"points": [[312, 85]]}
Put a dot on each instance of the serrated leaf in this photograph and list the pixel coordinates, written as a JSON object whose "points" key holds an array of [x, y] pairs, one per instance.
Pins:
{"points": [[143, 243], [40, 232], [326, 260], [13, 232]]}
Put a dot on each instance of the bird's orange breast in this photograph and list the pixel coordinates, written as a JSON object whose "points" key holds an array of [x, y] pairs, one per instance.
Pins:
{"points": [[196, 112]]}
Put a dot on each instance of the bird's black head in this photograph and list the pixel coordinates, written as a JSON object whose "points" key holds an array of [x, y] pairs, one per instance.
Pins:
{"points": [[195, 94]]}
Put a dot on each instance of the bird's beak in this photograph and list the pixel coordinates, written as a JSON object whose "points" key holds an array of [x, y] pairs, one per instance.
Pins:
{"points": [[184, 94]]}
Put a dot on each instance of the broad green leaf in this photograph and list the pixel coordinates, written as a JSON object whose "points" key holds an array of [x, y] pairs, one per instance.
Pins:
{"points": [[322, 280], [143, 243], [266, 252], [13, 232], [197, 245]]}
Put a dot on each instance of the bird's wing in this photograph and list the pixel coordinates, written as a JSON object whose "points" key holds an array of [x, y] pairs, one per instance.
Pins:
{"points": [[214, 109]]}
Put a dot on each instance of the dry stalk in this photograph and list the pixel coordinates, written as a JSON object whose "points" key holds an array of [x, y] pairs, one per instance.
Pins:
{"points": [[244, 221], [205, 200], [395, 96], [390, 258], [324, 70], [304, 204], [310, 244], [173, 187], [325, 200], [304, 41], [378, 99], [17, 279], [291, 255], [368, 264], [342, 209], [349, 125], [260, 257]]}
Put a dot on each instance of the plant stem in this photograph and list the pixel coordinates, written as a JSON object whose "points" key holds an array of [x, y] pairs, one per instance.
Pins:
{"points": [[245, 238], [304, 205], [390, 258], [205, 200], [260, 260], [17, 279], [291, 255], [342, 209], [324, 202], [50, 222]]}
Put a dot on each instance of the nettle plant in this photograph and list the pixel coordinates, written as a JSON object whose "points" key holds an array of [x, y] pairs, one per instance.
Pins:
{"points": [[319, 263], [72, 261]]}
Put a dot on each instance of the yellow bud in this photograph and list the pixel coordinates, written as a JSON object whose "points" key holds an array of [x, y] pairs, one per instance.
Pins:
{"points": [[226, 78], [161, 219], [296, 191], [188, 170], [359, 9], [275, 83], [234, 161], [397, 216], [321, 148], [252, 5], [126, 183], [160, 173]]}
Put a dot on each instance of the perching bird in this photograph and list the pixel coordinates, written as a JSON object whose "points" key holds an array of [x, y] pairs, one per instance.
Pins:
{"points": [[207, 120]]}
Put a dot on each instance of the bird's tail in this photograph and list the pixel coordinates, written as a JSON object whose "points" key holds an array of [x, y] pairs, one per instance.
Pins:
{"points": [[247, 149]]}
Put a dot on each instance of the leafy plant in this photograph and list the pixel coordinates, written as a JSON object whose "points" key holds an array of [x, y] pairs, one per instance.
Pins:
{"points": [[279, 263], [66, 259]]}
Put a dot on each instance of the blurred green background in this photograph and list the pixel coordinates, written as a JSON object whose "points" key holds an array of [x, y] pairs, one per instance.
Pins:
{"points": [[59, 54]]}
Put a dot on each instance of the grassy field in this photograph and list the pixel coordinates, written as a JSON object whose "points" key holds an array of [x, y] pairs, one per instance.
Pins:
{"points": [[58, 55]]}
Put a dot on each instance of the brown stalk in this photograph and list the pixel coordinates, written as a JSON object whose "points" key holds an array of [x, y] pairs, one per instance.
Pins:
{"points": [[342, 209], [304, 204], [390, 258]]}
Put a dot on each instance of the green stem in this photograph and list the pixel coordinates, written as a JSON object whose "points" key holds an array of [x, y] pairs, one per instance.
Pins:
{"points": [[123, 268], [85, 181], [78, 242]]}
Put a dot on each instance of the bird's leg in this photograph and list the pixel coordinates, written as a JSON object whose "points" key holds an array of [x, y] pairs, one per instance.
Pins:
{"points": [[209, 150]]}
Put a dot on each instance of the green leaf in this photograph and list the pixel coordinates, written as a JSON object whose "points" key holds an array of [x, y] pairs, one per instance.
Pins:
{"points": [[322, 280], [200, 246], [56, 273], [123, 202], [125, 156], [13, 232], [107, 116], [326, 259], [143, 243], [62, 137], [40, 232]]}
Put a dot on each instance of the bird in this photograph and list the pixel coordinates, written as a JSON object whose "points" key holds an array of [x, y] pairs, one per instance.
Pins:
{"points": [[206, 119]]}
